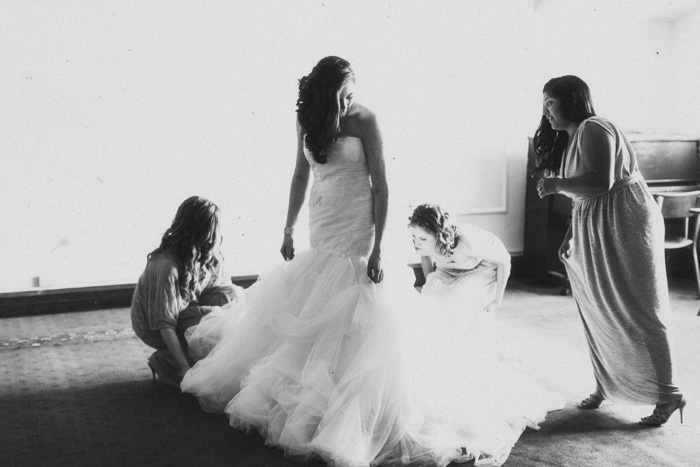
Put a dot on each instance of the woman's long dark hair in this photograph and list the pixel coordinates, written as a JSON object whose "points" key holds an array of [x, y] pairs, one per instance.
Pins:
{"points": [[191, 240], [431, 218], [318, 109], [576, 106]]}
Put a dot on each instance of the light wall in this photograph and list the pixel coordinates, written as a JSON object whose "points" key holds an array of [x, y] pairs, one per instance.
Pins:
{"points": [[114, 112], [635, 61], [686, 74]]}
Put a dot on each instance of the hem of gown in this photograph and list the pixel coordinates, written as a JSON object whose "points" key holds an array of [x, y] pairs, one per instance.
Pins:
{"points": [[407, 444], [635, 402], [314, 451]]}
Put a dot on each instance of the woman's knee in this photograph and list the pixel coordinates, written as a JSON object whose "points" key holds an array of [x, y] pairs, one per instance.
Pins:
{"points": [[190, 316], [218, 296]]}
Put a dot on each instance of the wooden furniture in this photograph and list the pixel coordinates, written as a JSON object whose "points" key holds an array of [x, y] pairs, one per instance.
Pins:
{"points": [[681, 206], [669, 163]]}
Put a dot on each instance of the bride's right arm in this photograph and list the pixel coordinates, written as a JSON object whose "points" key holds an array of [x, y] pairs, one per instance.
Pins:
{"points": [[297, 193]]}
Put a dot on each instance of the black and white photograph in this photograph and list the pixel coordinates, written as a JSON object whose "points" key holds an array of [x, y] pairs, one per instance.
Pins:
{"points": [[350, 233]]}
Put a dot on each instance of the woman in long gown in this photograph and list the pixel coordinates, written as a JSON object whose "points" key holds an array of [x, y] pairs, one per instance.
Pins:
{"points": [[310, 358], [613, 251]]}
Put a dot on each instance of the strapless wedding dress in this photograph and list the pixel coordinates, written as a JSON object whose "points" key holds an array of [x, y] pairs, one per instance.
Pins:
{"points": [[323, 362]]}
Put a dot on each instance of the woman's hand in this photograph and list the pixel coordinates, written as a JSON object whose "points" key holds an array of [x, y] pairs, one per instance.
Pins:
{"points": [[494, 304], [287, 249], [374, 267], [565, 249], [547, 186]]}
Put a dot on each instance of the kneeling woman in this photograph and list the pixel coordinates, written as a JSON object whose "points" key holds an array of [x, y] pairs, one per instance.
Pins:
{"points": [[182, 281]]}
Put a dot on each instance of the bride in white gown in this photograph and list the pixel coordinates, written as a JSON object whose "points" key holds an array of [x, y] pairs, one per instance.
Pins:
{"points": [[317, 358]]}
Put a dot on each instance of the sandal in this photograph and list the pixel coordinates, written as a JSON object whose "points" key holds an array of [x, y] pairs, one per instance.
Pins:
{"points": [[160, 365], [659, 417], [591, 402]]}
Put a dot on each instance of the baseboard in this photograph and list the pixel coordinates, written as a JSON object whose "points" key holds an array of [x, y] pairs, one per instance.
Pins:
{"points": [[63, 300]]}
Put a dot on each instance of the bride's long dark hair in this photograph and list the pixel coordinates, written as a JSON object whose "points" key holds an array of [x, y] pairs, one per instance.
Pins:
{"points": [[318, 109], [576, 106]]}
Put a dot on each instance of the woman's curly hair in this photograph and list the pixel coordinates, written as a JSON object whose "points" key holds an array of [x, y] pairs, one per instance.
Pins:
{"points": [[318, 109], [433, 219], [192, 240], [576, 106]]}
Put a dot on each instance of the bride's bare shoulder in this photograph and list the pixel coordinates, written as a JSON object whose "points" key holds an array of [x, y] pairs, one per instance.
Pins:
{"points": [[360, 120]]}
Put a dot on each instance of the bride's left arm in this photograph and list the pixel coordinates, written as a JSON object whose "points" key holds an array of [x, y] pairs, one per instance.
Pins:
{"points": [[368, 130]]}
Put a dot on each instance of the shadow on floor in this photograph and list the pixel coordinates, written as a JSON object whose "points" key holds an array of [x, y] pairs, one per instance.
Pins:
{"points": [[92, 401]]}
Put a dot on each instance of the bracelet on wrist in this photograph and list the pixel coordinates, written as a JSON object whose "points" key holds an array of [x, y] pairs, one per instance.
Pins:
{"points": [[288, 230]]}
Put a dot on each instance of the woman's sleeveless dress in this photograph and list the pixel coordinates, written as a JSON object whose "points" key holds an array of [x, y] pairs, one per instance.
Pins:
{"points": [[617, 272], [321, 362]]}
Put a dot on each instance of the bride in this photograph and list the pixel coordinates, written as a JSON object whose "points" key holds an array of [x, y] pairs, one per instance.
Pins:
{"points": [[317, 357]]}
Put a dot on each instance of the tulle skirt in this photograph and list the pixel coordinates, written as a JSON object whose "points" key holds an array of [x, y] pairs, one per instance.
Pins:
{"points": [[322, 362]]}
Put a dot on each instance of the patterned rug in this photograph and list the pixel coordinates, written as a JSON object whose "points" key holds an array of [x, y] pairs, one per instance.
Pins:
{"points": [[70, 338]]}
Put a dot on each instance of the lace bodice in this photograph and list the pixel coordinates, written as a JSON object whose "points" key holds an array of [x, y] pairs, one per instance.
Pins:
{"points": [[341, 218]]}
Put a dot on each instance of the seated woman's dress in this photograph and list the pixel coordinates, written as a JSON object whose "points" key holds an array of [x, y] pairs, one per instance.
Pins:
{"points": [[322, 362], [157, 303]]}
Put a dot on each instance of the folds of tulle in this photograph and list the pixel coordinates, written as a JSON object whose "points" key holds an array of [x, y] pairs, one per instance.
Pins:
{"points": [[454, 375], [341, 402], [294, 313], [323, 362]]}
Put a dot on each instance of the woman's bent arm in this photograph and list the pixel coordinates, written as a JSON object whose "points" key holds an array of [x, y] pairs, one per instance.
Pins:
{"points": [[598, 156]]}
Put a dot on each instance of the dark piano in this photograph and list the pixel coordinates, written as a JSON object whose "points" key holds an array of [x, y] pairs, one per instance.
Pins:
{"points": [[667, 162]]}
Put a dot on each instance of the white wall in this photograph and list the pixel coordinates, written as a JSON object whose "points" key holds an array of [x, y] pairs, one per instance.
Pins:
{"points": [[686, 74], [113, 113], [624, 56]]}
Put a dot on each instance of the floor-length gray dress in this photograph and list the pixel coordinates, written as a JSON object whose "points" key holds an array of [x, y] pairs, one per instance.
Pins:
{"points": [[618, 278]]}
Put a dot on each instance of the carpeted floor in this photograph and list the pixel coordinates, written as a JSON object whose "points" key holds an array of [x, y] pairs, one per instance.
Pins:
{"points": [[75, 390]]}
